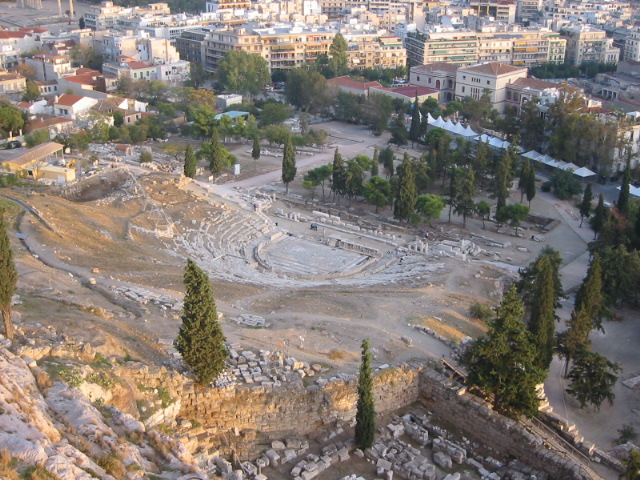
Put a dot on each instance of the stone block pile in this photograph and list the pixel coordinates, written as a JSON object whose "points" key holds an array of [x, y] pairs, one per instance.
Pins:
{"points": [[437, 336], [251, 321], [144, 296], [314, 465]]}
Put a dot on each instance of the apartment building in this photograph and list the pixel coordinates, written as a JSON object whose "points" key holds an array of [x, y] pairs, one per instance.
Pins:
{"points": [[285, 47], [632, 46], [15, 42], [501, 10], [50, 67], [588, 44], [12, 85], [107, 15], [527, 10], [492, 78], [525, 48]]}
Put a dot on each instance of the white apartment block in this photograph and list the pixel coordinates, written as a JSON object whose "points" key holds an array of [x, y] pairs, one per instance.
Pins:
{"points": [[587, 44]]}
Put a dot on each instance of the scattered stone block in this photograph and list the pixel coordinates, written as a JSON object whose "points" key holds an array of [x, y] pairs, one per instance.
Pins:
{"points": [[442, 460]]}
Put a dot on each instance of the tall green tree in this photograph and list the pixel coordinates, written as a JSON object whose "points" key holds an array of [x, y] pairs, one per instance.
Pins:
{"points": [[387, 158], [590, 295], [200, 339], [190, 162], [575, 339], [525, 173], [378, 192], [530, 187], [465, 205], [430, 206], [243, 73], [307, 90], [592, 377], [503, 178], [319, 176], [414, 130], [543, 316], [513, 215], [623, 198], [338, 57], [503, 363], [528, 275], [632, 464], [216, 155], [405, 203], [585, 204], [8, 277], [339, 175], [365, 409], [255, 149], [484, 210], [599, 215], [288, 163]]}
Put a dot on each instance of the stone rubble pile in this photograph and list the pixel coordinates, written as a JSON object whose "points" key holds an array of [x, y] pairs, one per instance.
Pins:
{"points": [[144, 296], [435, 335], [251, 321], [266, 368], [458, 249], [314, 465]]}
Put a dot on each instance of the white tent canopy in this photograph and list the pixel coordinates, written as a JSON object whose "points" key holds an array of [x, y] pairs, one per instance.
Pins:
{"points": [[451, 126], [635, 191], [583, 172]]}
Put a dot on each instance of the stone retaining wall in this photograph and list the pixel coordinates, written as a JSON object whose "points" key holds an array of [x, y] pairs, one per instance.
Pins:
{"points": [[450, 401], [239, 420]]}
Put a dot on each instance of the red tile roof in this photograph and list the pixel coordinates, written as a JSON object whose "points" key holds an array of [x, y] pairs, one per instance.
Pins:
{"points": [[347, 81], [68, 100], [135, 65], [46, 122], [493, 68]]}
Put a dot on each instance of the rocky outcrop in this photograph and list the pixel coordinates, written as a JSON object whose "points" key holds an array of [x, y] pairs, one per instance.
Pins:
{"points": [[59, 430]]}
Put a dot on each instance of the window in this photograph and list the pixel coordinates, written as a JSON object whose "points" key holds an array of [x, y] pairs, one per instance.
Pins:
{"points": [[437, 84], [488, 82], [462, 89]]}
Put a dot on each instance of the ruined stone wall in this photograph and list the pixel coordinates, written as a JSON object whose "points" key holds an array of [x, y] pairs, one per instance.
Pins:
{"points": [[231, 418], [449, 401]]}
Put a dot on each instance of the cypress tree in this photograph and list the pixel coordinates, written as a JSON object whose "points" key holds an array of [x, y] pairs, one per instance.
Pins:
{"points": [[375, 163], [503, 179], [200, 339], [288, 163], [414, 129], [406, 201], [542, 321], [623, 197], [525, 174], [255, 150], [8, 277], [590, 296], [339, 175], [530, 187], [190, 162], [528, 276], [503, 363], [365, 410], [585, 204], [599, 216], [216, 160], [575, 339]]}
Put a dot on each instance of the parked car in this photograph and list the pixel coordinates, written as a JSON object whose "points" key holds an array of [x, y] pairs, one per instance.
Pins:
{"points": [[13, 144]]}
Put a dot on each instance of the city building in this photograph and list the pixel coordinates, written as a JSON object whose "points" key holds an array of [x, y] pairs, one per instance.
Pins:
{"points": [[588, 44], [491, 78], [12, 85], [440, 76], [526, 47]]}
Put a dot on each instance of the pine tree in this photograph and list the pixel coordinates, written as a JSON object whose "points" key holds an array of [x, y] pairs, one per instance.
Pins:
{"points": [[338, 175], [599, 216], [216, 160], [575, 339], [190, 162], [528, 275], [414, 129], [466, 191], [255, 150], [592, 377], [542, 321], [623, 197], [365, 410], [288, 163], [503, 363], [405, 203], [200, 339], [8, 277], [585, 204]]}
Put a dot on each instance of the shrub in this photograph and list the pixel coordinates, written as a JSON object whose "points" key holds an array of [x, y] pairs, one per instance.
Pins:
{"points": [[146, 156], [627, 434], [113, 465], [481, 311]]}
